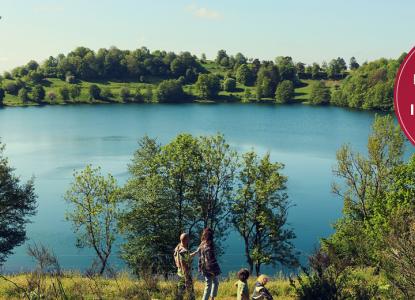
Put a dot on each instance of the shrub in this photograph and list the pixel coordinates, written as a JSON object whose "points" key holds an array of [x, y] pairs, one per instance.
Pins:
{"points": [[94, 92], [229, 84]]}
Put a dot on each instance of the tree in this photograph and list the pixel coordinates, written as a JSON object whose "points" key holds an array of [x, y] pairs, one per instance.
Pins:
{"points": [[284, 92], [365, 183], [259, 213], [125, 94], [247, 95], [75, 91], [148, 94], [95, 201], [38, 93], [267, 80], [208, 86], [183, 186], [170, 91], [64, 93], [2, 95], [222, 58], [11, 87], [244, 75], [229, 84], [23, 95], [94, 92], [17, 204], [353, 65], [286, 68], [320, 93], [158, 205], [315, 71], [216, 180]]}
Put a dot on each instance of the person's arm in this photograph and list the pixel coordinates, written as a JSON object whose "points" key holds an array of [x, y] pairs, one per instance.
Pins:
{"points": [[193, 254], [264, 292]]}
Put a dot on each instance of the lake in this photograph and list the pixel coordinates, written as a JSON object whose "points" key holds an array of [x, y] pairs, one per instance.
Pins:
{"points": [[51, 142]]}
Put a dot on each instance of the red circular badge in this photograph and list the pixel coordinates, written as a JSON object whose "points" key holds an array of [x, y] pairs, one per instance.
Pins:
{"points": [[404, 96]]}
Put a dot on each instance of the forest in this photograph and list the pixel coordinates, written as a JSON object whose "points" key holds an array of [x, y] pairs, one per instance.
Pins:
{"points": [[123, 76]]}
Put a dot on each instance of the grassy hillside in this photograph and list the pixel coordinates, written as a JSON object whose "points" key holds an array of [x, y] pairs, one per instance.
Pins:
{"points": [[54, 84]]}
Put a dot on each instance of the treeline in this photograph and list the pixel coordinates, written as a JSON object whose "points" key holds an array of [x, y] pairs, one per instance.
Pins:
{"points": [[170, 77]]}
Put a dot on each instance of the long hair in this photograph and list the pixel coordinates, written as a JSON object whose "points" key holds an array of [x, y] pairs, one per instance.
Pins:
{"points": [[207, 237]]}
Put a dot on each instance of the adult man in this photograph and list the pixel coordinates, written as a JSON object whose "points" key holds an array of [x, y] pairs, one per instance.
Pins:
{"points": [[183, 260]]}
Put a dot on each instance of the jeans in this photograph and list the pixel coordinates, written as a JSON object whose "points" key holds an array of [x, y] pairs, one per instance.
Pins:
{"points": [[211, 287]]}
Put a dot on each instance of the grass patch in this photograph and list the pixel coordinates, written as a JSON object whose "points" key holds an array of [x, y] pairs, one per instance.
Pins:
{"points": [[126, 287]]}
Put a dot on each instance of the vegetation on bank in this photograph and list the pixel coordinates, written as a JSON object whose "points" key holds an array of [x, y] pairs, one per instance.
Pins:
{"points": [[120, 76]]}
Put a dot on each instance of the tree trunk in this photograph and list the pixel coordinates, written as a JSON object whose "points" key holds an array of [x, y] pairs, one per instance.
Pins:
{"points": [[248, 256], [103, 265], [257, 269]]}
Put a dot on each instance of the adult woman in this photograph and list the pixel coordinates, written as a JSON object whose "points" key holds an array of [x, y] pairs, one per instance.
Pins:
{"points": [[208, 265]]}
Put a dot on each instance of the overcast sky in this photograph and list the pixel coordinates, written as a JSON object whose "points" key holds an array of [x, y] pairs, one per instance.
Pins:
{"points": [[307, 30]]}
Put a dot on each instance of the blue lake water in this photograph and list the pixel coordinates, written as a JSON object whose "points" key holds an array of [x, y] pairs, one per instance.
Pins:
{"points": [[51, 142]]}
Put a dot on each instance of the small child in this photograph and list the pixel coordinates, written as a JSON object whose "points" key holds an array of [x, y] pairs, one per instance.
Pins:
{"points": [[260, 292], [242, 284]]}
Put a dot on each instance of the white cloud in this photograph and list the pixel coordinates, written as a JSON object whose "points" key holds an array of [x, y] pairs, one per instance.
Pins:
{"points": [[203, 12]]}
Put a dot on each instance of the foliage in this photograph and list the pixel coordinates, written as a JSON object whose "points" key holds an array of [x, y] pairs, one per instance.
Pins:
{"points": [[229, 84], [93, 215], [370, 86], [75, 91], [183, 186], [286, 68], [64, 92], [38, 93], [397, 256], [366, 183], [284, 92], [23, 94], [259, 213], [170, 91], [320, 93], [17, 204], [125, 94], [244, 75], [329, 279], [2, 94], [94, 92], [267, 80], [208, 86]]}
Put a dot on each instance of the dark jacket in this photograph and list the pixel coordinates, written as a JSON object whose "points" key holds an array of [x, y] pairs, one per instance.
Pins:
{"points": [[208, 265], [261, 293]]}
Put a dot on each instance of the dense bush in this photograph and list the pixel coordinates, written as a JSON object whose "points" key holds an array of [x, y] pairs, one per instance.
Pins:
{"points": [[170, 91]]}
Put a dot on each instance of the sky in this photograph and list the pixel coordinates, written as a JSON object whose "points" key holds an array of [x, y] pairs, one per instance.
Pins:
{"points": [[307, 30]]}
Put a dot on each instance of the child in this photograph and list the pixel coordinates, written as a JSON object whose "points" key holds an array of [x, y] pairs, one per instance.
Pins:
{"points": [[242, 284], [260, 292]]}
